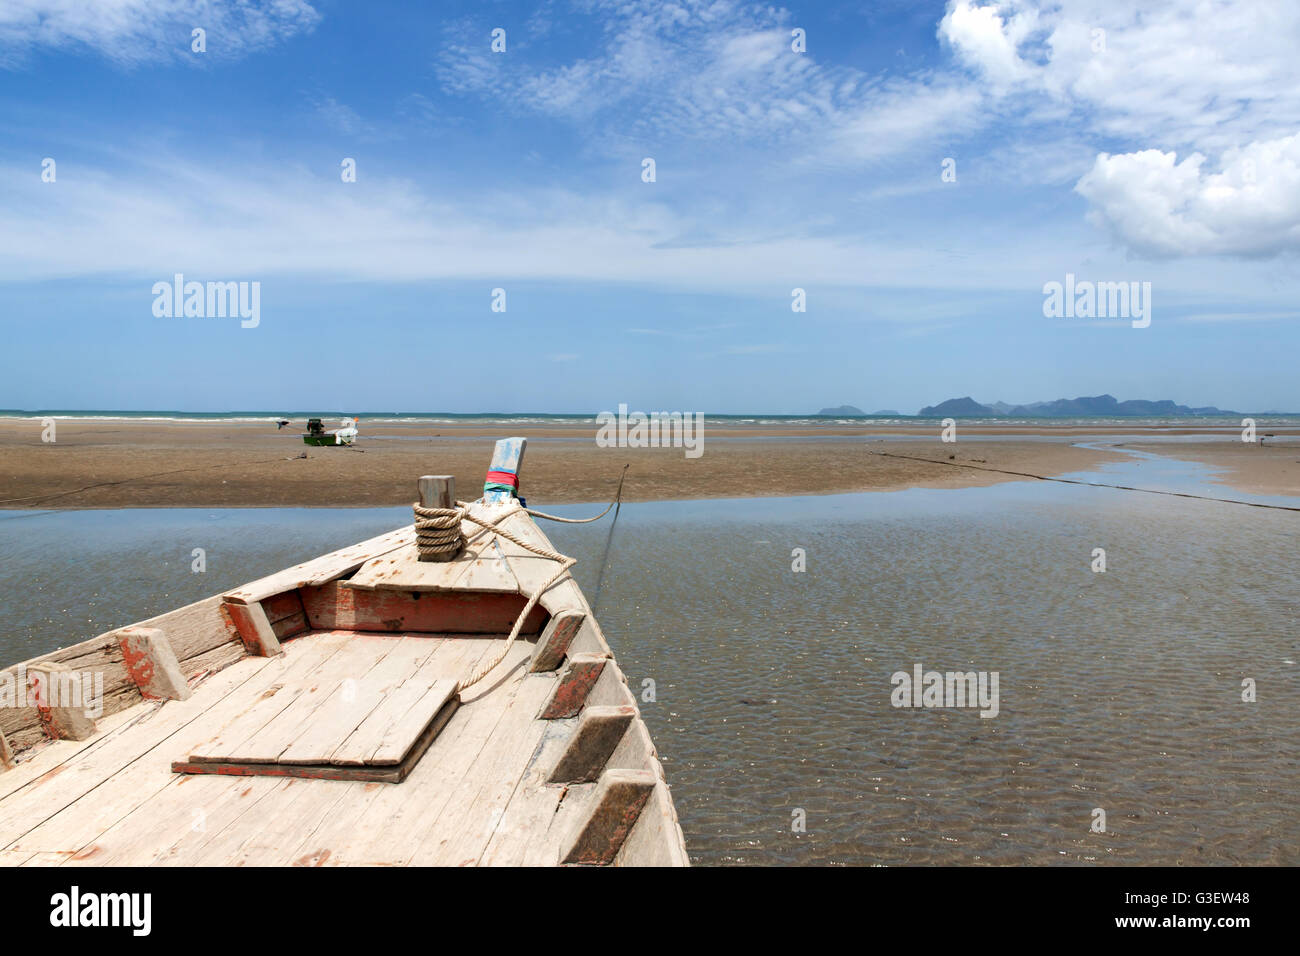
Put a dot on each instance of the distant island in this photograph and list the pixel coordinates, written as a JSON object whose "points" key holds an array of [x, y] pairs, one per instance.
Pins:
{"points": [[1097, 406], [850, 411], [1086, 406]]}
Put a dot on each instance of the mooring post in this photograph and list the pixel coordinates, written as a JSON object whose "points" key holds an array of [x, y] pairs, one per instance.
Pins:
{"points": [[438, 538], [437, 491]]}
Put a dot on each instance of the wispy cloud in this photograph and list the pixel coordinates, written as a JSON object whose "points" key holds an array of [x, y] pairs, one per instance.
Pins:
{"points": [[1242, 316], [712, 70], [689, 76], [696, 332], [339, 116], [131, 32], [1217, 77], [231, 220]]}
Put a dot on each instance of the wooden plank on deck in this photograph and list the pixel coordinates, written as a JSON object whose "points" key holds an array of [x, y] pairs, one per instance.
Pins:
{"points": [[478, 567], [311, 690], [449, 662], [379, 828], [176, 822], [64, 809], [398, 740], [323, 569], [354, 701], [487, 786], [256, 713]]}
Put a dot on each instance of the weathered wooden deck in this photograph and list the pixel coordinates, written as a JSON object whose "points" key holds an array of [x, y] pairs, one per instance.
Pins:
{"points": [[345, 663]]}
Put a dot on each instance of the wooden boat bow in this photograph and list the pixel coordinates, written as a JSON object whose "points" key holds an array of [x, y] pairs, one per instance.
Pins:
{"points": [[316, 716]]}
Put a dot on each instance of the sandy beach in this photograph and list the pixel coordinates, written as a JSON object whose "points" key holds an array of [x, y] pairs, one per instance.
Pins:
{"points": [[126, 463], [1267, 469]]}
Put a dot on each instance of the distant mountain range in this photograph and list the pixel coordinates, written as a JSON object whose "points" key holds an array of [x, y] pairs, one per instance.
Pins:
{"points": [[849, 411], [1096, 406]]}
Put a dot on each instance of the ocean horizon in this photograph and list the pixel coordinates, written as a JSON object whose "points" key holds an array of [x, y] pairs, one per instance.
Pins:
{"points": [[254, 416]]}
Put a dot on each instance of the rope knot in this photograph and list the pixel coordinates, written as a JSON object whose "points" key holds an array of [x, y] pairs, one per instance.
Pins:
{"points": [[437, 532]]}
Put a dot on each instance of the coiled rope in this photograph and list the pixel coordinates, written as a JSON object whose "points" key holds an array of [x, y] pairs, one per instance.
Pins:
{"points": [[438, 531]]}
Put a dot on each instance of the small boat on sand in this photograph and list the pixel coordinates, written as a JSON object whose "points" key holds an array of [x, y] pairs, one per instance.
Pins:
{"points": [[438, 695], [316, 434]]}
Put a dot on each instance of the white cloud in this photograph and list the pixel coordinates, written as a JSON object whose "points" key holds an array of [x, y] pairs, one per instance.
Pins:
{"points": [[987, 41], [1160, 206], [130, 32], [1205, 74], [1189, 77]]}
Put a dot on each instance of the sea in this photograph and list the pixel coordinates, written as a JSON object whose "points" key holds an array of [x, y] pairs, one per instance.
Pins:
{"points": [[401, 419]]}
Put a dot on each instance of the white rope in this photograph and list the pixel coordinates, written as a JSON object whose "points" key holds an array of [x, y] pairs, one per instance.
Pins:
{"points": [[438, 534], [565, 564]]}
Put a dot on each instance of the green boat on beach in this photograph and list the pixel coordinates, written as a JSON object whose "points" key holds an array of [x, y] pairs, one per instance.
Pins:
{"points": [[317, 435]]}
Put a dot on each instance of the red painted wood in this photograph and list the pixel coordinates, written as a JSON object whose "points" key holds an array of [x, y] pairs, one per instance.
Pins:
{"points": [[555, 640], [39, 696], [241, 615], [280, 606], [335, 607], [139, 664], [394, 774], [572, 690], [287, 627]]}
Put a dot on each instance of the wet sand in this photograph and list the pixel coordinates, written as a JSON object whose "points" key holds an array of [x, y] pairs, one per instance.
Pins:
{"points": [[1263, 469], [111, 464]]}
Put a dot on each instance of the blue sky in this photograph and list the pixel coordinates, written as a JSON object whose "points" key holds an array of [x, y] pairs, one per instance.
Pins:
{"points": [[1164, 149]]}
